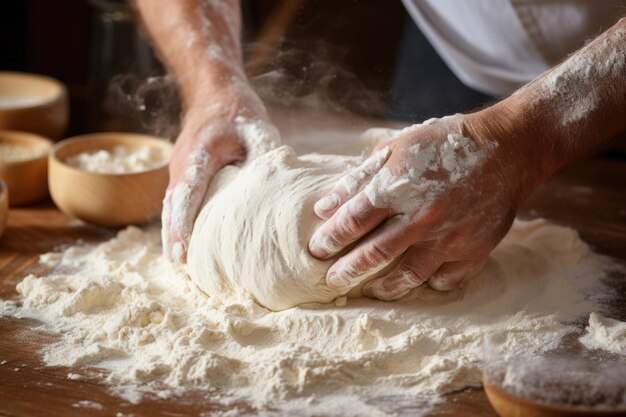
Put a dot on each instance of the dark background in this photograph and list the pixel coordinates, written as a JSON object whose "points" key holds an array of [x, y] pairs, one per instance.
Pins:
{"points": [[363, 57]]}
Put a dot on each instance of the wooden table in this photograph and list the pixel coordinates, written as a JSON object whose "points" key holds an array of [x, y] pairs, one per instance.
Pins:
{"points": [[590, 196]]}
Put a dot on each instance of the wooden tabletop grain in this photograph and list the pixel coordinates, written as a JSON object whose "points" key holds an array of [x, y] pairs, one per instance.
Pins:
{"points": [[589, 196]]}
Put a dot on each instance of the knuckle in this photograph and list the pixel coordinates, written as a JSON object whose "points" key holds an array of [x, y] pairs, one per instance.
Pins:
{"points": [[458, 240], [350, 226], [375, 255], [328, 241], [431, 216], [412, 274]]}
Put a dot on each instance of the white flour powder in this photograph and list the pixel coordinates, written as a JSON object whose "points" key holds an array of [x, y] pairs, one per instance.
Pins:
{"points": [[573, 85], [119, 160], [120, 306], [15, 153], [606, 334], [565, 381]]}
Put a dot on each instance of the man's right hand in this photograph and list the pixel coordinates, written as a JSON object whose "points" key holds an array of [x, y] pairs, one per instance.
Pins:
{"points": [[215, 133]]}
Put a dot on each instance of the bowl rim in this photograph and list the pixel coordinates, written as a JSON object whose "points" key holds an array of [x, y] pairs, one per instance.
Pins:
{"points": [[53, 155], [62, 91], [501, 392], [39, 138]]}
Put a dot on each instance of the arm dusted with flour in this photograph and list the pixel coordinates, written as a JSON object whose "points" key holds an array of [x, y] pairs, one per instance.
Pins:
{"points": [[443, 194], [224, 120]]}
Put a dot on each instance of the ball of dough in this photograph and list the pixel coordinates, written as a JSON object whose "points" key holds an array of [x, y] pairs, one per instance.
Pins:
{"points": [[251, 237]]}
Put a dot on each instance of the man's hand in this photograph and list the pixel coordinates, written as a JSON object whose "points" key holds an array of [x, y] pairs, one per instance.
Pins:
{"points": [[225, 121], [233, 126], [441, 196], [437, 197]]}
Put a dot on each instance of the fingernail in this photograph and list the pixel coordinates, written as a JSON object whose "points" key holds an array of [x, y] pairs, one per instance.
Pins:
{"points": [[317, 246], [342, 275], [327, 203], [335, 281], [439, 282]]}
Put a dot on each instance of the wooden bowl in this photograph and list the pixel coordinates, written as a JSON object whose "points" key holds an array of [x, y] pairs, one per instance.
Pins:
{"points": [[102, 198], [27, 179], [509, 405], [33, 103], [4, 206]]}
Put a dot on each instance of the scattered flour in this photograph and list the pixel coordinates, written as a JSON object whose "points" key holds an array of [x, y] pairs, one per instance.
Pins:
{"points": [[121, 306], [15, 153], [88, 404], [606, 334], [119, 160]]}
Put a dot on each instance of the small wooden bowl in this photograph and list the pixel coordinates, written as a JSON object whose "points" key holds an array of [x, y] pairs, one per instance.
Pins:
{"points": [[509, 405], [33, 103], [4, 206], [27, 180], [108, 199]]}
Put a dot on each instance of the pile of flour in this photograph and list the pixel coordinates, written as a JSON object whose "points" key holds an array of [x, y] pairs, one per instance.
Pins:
{"points": [[14, 153], [121, 306], [119, 160], [606, 334]]}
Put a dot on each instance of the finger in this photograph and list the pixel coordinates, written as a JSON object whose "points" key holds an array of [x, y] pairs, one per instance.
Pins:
{"points": [[451, 274], [166, 214], [374, 253], [183, 203], [353, 220], [417, 265], [351, 183]]}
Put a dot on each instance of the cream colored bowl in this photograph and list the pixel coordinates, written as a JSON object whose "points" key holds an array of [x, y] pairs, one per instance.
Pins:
{"points": [[102, 198], [33, 103], [26, 179], [4, 206]]}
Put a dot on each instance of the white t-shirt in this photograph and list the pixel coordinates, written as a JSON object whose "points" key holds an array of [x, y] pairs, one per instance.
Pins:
{"points": [[495, 46]]}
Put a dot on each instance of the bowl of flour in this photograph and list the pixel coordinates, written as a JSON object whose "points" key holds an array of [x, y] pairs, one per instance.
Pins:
{"points": [[24, 166], [33, 103], [557, 386], [110, 179]]}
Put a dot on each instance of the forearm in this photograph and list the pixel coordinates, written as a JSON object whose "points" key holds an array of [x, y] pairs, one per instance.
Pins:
{"points": [[198, 41], [572, 111]]}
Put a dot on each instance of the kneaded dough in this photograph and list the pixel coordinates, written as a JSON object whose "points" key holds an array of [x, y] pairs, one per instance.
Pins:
{"points": [[250, 239]]}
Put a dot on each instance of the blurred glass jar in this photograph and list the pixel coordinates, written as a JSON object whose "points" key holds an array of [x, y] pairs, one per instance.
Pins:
{"points": [[128, 90]]}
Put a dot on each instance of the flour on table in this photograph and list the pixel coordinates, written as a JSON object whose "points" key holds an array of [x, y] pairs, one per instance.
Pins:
{"points": [[88, 404], [121, 306]]}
